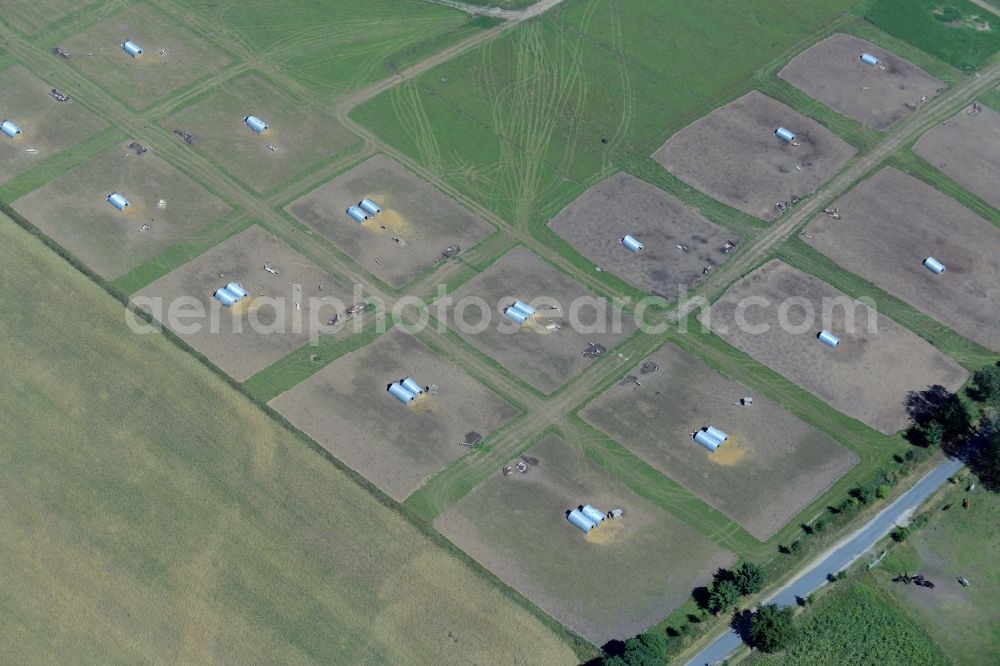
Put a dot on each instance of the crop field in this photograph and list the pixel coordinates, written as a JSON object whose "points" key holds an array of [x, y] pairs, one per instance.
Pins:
{"points": [[868, 377], [47, 126], [964, 149], [891, 222], [73, 209], [153, 76], [733, 155], [959, 542], [544, 357], [832, 72], [127, 497], [416, 224], [302, 139], [957, 31], [771, 467], [283, 311], [346, 408], [333, 46], [526, 122], [31, 16], [615, 581], [595, 223], [857, 625]]}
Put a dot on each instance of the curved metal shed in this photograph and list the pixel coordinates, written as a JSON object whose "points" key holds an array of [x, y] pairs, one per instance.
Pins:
{"points": [[237, 290], [10, 128], [632, 244], [934, 265], [577, 518], [118, 201], [226, 297], [400, 393], [131, 48], [357, 214], [412, 386], [370, 207], [595, 515], [785, 135], [256, 124], [828, 338], [708, 441]]}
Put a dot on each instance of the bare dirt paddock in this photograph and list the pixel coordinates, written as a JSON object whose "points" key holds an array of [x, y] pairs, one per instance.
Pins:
{"points": [[545, 358], [595, 223], [262, 329], [733, 155], [47, 126], [73, 209], [416, 224], [346, 408], [832, 72], [867, 377], [616, 581], [967, 149], [891, 222], [771, 467]]}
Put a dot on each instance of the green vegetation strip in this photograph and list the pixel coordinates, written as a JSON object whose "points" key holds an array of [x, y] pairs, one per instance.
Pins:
{"points": [[61, 163], [967, 353], [132, 476], [176, 256], [307, 360], [951, 30], [857, 625]]}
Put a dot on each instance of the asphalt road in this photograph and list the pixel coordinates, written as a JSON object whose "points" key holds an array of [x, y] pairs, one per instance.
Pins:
{"points": [[840, 557]]}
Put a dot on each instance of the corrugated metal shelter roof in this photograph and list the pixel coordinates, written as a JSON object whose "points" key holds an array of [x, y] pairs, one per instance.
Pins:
{"points": [[9, 128], [131, 48], [370, 207], [256, 124]]}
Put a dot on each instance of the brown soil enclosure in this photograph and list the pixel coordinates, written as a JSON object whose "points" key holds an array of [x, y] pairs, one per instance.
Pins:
{"points": [[867, 377], [265, 327], [967, 149], [891, 222], [416, 224], [74, 210], [346, 408], [47, 126], [616, 581], [544, 357], [876, 95], [771, 467], [733, 155], [595, 223]]}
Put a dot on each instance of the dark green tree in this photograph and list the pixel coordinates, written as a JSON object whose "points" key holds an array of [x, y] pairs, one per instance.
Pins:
{"points": [[933, 433], [749, 578], [772, 628], [985, 462], [648, 649], [986, 385], [723, 596]]}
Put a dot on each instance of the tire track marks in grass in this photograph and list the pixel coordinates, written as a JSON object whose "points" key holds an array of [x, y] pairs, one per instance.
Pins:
{"points": [[406, 102], [545, 83]]}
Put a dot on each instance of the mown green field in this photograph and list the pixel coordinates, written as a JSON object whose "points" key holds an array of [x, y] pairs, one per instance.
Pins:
{"points": [[152, 513], [331, 46], [857, 626], [956, 31], [958, 542], [525, 121]]}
